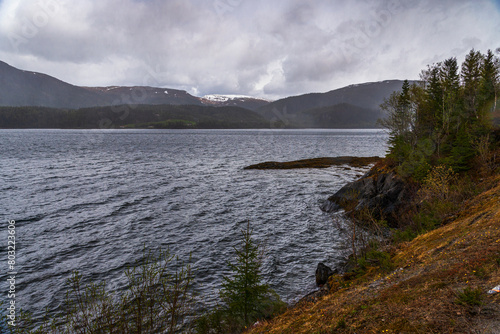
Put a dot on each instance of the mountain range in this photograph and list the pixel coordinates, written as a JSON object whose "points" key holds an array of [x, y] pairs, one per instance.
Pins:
{"points": [[354, 106]]}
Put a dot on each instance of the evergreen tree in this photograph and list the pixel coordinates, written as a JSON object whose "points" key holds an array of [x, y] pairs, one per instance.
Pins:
{"points": [[432, 119], [244, 293], [450, 84], [245, 298], [489, 85], [400, 118], [471, 78]]}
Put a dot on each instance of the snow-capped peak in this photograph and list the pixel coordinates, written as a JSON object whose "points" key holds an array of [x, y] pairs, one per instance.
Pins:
{"points": [[225, 98]]}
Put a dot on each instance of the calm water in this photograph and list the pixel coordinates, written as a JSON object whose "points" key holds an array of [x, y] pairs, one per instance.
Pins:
{"points": [[88, 200]]}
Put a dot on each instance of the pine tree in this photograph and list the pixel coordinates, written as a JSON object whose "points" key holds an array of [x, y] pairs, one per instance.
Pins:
{"points": [[471, 78], [432, 118], [450, 83], [244, 293], [489, 81], [245, 299]]}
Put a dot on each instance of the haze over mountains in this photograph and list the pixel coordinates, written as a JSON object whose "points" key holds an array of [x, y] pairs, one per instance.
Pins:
{"points": [[354, 106]]}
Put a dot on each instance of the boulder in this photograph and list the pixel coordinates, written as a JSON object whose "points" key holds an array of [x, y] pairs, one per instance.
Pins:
{"points": [[322, 274]]}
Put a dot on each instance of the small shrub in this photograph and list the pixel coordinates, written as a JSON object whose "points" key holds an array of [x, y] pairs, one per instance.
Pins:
{"points": [[373, 258], [485, 156], [341, 324], [382, 259], [437, 183], [426, 221], [433, 212], [470, 297], [404, 235]]}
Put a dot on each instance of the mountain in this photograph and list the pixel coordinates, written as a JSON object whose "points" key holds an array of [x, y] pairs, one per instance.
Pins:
{"points": [[18, 88], [343, 115], [367, 95], [350, 106], [117, 95], [26, 88]]}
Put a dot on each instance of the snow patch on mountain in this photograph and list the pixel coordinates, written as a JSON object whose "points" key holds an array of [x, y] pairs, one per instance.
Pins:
{"points": [[225, 98]]}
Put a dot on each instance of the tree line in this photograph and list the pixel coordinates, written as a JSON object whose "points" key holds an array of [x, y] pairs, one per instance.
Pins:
{"points": [[152, 116]]}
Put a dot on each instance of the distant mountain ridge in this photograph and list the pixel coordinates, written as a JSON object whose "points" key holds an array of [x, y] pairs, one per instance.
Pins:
{"points": [[366, 95], [354, 106], [27, 88], [351, 106]]}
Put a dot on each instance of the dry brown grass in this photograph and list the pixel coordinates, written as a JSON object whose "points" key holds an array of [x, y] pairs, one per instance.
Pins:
{"points": [[421, 295]]}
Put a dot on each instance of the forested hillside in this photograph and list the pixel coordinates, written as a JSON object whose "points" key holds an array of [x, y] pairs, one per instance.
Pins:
{"points": [[141, 116]]}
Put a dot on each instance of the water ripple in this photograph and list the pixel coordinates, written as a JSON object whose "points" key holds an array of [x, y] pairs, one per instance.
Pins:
{"points": [[90, 201]]}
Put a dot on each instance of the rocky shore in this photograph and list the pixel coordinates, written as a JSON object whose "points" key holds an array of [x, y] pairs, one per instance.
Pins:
{"points": [[381, 192]]}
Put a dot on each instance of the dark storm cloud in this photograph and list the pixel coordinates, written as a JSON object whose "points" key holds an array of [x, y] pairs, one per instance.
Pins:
{"points": [[270, 49]]}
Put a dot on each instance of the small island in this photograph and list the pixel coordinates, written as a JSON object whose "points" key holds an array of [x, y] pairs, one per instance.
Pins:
{"points": [[317, 163]]}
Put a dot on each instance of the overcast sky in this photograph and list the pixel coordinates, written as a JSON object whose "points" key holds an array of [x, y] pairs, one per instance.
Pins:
{"points": [[265, 48]]}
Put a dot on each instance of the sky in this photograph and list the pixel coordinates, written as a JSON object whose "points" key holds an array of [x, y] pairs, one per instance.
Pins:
{"points": [[264, 48]]}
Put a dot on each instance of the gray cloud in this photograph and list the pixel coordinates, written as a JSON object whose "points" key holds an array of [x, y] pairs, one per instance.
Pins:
{"points": [[269, 49]]}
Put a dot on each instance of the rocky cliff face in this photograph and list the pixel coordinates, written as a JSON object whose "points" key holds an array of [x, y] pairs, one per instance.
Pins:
{"points": [[382, 193]]}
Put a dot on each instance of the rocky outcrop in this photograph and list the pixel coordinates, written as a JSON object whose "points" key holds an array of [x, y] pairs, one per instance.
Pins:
{"points": [[382, 193]]}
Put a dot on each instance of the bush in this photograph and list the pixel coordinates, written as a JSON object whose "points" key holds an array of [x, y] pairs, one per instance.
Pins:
{"points": [[157, 299], [404, 235], [437, 183], [470, 297], [378, 258]]}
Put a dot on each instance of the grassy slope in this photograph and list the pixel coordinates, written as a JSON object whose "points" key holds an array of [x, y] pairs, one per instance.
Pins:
{"points": [[421, 295]]}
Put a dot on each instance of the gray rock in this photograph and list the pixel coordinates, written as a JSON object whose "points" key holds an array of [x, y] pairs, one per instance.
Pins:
{"points": [[383, 194], [322, 274]]}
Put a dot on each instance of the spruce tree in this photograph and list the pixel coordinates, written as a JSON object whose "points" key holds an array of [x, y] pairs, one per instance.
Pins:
{"points": [[434, 101], [244, 294], [450, 83], [245, 298], [471, 78], [488, 91]]}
